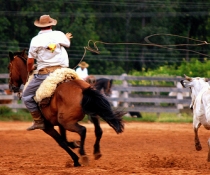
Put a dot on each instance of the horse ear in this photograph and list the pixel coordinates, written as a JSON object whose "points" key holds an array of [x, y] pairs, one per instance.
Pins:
{"points": [[11, 56], [23, 52]]}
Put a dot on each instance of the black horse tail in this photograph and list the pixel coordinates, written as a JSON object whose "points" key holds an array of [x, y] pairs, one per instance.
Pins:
{"points": [[95, 103]]}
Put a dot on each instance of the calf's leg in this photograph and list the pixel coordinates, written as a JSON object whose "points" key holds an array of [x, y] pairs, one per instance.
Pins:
{"points": [[198, 146], [208, 159]]}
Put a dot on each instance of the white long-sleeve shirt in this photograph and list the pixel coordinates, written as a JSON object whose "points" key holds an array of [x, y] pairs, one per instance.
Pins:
{"points": [[82, 73], [39, 49]]}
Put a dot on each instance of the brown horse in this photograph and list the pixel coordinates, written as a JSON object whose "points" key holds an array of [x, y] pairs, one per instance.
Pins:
{"points": [[69, 104]]}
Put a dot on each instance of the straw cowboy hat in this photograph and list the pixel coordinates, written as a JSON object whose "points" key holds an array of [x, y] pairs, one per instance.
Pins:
{"points": [[45, 21], [83, 64]]}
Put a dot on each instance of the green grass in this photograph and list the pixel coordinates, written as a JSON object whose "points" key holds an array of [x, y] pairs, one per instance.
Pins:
{"points": [[163, 117], [7, 114]]}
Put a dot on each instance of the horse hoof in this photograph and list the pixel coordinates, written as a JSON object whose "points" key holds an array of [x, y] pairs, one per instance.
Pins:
{"points": [[97, 156], [77, 164], [69, 164], [198, 147], [84, 160]]}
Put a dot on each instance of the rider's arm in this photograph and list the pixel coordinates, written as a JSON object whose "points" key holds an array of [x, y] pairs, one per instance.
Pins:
{"points": [[30, 64], [64, 39]]}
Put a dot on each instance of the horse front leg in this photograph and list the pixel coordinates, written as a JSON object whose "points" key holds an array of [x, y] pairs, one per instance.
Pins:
{"points": [[49, 129], [73, 144], [197, 141], [98, 134]]}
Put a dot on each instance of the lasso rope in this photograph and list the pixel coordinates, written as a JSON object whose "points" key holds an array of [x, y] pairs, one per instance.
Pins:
{"points": [[95, 49], [169, 46]]}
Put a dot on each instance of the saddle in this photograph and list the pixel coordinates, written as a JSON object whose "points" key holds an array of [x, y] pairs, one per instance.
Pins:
{"points": [[47, 88], [46, 101]]}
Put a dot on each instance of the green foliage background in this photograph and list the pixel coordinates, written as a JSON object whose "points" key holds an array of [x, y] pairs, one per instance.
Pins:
{"points": [[115, 23]]}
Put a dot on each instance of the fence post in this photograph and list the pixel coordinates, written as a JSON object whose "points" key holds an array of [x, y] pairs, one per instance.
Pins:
{"points": [[14, 101], [179, 95], [156, 104], [125, 93]]}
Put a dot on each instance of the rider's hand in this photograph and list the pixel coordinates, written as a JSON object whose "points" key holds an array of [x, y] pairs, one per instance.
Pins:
{"points": [[69, 35], [34, 66]]}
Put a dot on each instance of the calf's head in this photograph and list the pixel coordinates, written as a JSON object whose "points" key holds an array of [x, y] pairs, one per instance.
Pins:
{"points": [[195, 84]]}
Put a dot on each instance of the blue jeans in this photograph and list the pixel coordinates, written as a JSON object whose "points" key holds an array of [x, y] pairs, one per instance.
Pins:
{"points": [[30, 91]]}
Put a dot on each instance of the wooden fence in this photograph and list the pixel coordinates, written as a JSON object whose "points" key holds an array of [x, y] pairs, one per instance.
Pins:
{"points": [[150, 94]]}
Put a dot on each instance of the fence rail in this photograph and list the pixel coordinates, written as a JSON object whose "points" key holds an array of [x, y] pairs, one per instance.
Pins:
{"points": [[144, 98]]}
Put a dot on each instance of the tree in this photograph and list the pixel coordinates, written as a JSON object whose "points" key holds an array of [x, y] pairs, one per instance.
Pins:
{"points": [[129, 34]]}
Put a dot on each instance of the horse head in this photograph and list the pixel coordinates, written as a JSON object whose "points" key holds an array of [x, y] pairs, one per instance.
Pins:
{"points": [[104, 84], [91, 80], [17, 70]]}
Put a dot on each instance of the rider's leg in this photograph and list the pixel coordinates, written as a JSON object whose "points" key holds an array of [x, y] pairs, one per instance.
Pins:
{"points": [[28, 99], [38, 121]]}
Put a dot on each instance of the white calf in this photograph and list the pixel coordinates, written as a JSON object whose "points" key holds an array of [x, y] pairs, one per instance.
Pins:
{"points": [[200, 104]]}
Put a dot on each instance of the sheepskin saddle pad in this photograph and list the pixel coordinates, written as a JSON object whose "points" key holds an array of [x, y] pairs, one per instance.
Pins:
{"points": [[48, 86]]}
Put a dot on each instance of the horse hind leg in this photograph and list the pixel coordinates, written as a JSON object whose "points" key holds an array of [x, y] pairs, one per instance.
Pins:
{"points": [[98, 134], [73, 144], [49, 129], [81, 130]]}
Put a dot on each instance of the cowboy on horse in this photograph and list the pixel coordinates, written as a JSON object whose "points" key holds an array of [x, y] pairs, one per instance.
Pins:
{"points": [[47, 48]]}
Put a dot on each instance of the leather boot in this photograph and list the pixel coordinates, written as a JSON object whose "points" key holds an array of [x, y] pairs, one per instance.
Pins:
{"points": [[38, 121]]}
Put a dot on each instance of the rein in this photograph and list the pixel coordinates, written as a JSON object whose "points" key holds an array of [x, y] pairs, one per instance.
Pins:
{"points": [[22, 58]]}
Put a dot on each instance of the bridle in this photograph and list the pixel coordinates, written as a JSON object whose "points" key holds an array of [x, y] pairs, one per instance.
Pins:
{"points": [[12, 86]]}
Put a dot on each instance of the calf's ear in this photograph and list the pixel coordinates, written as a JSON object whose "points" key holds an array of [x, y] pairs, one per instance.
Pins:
{"points": [[187, 78], [182, 83], [186, 83]]}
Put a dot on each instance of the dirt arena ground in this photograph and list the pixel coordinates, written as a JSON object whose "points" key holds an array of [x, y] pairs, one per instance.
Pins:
{"points": [[143, 148]]}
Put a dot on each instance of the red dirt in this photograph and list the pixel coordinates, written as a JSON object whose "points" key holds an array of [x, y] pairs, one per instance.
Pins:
{"points": [[143, 148]]}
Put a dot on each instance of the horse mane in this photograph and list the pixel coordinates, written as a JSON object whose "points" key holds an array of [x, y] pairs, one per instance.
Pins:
{"points": [[17, 53], [21, 53]]}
